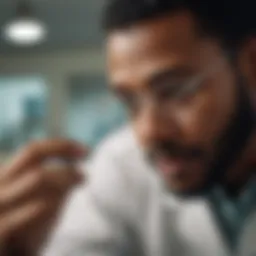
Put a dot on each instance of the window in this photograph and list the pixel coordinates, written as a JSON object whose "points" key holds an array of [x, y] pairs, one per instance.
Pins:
{"points": [[93, 112], [22, 111]]}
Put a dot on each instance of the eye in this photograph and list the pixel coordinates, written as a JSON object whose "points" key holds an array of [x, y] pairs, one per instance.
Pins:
{"points": [[185, 98], [188, 92], [169, 91], [129, 100], [182, 91]]}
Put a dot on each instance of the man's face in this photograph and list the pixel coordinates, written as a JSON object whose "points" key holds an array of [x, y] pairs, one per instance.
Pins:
{"points": [[180, 91]]}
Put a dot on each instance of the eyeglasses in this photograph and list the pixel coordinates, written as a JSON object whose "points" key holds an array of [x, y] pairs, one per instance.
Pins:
{"points": [[173, 92]]}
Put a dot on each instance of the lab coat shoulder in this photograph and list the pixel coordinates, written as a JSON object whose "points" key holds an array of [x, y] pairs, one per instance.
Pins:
{"points": [[117, 172], [97, 215]]}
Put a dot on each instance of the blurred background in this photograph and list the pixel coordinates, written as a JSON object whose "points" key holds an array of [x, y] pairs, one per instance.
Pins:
{"points": [[52, 80]]}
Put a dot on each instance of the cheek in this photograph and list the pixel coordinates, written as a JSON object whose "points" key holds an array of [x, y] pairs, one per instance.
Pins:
{"points": [[203, 120]]}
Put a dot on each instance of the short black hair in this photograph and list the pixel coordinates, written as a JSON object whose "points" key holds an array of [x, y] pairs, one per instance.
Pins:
{"points": [[232, 22]]}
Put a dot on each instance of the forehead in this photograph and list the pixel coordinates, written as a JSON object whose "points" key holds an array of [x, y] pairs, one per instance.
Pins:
{"points": [[168, 41]]}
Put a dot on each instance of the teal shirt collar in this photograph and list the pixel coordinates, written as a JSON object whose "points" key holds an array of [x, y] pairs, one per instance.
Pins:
{"points": [[231, 213]]}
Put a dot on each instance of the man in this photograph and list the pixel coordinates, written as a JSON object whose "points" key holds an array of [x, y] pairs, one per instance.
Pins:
{"points": [[180, 180]]}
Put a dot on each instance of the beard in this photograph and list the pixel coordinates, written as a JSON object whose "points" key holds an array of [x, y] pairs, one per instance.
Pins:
{"points": [[235, 138], [228, 149]]}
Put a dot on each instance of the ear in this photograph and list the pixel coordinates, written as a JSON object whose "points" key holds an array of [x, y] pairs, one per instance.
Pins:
{"points": [[248, 62]]}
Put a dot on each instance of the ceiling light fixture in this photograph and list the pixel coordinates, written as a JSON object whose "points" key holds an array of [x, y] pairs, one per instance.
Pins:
{"points": [[25, 29]]}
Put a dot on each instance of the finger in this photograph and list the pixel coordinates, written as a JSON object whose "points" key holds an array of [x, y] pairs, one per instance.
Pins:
{"points": [[41, 150], [19, 190], [22, 217], [38, 182], [62, 180]]}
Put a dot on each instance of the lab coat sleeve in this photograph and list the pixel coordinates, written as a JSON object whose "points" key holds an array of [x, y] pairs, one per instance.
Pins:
{"points": [[95, 219], [86, 230]]}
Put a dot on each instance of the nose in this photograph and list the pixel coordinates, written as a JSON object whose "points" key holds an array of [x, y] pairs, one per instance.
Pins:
{"points": [[154, 124]]}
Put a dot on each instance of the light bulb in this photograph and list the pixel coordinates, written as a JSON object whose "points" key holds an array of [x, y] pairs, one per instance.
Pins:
{"points": [[25, 31]]}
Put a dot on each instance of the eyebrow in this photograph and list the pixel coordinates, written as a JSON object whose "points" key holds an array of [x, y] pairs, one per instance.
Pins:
{"points": [[154, 81], [168, 73]]}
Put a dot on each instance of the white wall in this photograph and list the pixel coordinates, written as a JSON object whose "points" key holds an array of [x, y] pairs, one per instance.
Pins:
{"points": [[57, 67]]}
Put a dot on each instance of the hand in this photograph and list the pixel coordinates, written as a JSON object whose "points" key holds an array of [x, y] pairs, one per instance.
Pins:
{"points": [[31, 195]]}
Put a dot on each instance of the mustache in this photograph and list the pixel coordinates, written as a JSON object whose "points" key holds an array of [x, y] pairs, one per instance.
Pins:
{"points": [[172, 149]]}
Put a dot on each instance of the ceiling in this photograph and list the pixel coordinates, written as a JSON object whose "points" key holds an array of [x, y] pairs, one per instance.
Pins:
{"points": [[71, 23]]}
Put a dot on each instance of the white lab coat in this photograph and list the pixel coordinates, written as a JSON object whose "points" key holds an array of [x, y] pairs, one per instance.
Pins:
{"points": [[124, 211]]}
